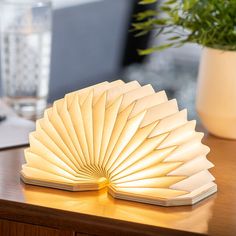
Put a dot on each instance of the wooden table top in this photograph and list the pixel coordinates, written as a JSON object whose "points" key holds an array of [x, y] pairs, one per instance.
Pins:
{"points": [[215, 215]]}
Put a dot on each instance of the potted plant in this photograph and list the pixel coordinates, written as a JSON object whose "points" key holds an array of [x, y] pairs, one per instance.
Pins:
{"points": [[212, 24]]}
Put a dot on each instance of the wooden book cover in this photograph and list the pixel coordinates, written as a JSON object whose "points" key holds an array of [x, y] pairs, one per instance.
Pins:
{"points": [[124, 136]]}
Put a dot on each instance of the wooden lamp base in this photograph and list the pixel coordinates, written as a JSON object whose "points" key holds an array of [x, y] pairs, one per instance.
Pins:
{"points": [[187, 199]]}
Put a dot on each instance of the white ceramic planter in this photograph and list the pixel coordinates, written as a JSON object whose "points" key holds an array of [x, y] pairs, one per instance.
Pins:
{"points": [[216, 92]]}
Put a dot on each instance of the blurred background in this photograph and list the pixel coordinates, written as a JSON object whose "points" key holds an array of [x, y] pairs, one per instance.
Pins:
{"points": [[92, 42]]}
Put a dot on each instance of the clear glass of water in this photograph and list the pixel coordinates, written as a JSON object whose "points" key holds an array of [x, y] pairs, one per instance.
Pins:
{"points": [[25, 54]]}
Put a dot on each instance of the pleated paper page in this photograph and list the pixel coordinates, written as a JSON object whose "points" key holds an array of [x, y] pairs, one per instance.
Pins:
{"points": [[122, 136]]}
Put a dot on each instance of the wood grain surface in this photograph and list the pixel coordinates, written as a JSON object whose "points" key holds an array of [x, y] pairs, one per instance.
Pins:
{"points": [[10, 228], [97, 213]]}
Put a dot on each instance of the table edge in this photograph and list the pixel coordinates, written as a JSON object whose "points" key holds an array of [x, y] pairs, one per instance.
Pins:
{"points": [[79, 222]]}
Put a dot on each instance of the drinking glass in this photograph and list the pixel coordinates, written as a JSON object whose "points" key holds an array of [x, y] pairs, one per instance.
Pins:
{"points": [[25, 54]]}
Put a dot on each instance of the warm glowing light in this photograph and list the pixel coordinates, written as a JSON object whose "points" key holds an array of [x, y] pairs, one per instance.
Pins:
{"points": [[123, 136]]}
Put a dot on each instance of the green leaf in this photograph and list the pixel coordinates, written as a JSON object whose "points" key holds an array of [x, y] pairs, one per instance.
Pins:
{"points": [[143, 2], [170, 2], [143, 52], [160, 21], [174, 38], [144, 15], [166, 8], [142, 33]]}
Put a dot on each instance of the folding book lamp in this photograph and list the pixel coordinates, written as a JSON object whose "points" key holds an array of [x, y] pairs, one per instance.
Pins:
{"points": [[123, 136]]}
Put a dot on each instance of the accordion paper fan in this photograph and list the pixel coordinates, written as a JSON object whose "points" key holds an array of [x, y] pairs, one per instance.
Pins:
{"points": [[122, 136]]}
